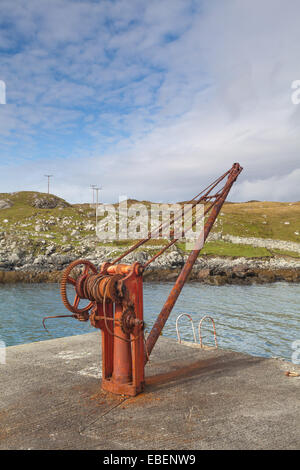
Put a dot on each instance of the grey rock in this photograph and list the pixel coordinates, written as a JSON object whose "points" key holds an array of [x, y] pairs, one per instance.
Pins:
{"points": [[264, 242], [13, 258], [48, 203], [5, 204], [40, 260], [50, 249], [67, 248]]}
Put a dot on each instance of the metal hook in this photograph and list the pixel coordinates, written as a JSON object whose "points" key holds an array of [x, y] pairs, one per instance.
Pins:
{"points": [[56, 316]]}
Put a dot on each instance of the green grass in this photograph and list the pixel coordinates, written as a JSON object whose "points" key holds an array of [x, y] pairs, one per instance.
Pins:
{"points": [[292, 254], [220, 248], [252, 219], [22, 211], [230, 249], [261, 219]]}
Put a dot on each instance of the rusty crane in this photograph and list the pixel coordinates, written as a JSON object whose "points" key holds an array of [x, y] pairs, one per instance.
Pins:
{"points": [[115, 295]]}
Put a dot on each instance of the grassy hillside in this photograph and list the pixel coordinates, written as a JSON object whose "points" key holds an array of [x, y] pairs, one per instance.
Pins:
{"points": [[275, 220], [35, 216]]}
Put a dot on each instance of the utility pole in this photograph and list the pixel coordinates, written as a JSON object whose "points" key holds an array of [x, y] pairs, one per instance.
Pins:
{"points": [[93, 186], [97, 191], [48, 176]]}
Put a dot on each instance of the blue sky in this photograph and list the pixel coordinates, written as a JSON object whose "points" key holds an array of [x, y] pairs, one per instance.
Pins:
{"points": [[153, 99]]}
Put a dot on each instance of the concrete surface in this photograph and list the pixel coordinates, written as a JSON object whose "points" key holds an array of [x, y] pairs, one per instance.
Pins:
{"points": [[50, 398]]}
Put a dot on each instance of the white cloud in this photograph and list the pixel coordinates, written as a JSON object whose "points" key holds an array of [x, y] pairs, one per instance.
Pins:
{"points": [[280, 186], [155, 99]]}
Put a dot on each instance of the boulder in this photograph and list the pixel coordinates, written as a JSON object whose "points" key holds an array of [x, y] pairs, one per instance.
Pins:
{"points": [[48, 202], [203, 274], [4, 204]]}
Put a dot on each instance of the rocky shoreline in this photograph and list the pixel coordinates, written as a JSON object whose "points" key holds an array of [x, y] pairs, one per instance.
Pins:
{"points": [[41, 234], [214, 270]]}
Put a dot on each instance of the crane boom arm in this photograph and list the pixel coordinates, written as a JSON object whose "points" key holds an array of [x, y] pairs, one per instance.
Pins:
{"points": [[175, 292]]}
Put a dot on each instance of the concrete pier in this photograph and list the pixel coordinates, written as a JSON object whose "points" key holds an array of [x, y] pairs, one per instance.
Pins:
{"points": [[51, 398]]}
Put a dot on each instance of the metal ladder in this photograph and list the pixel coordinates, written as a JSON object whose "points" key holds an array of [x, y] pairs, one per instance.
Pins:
{"points": [[199, 328]]}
